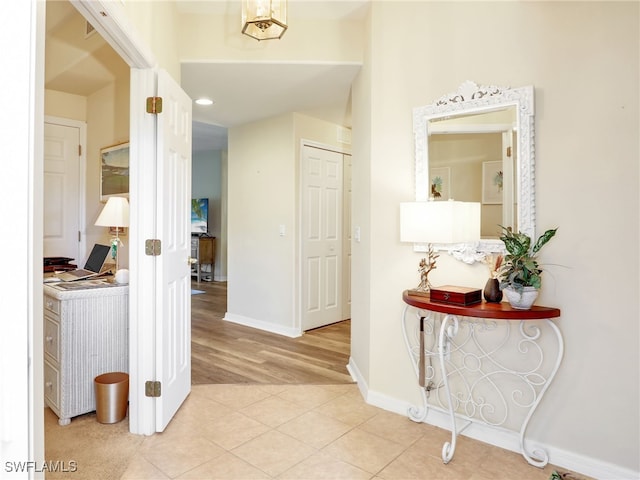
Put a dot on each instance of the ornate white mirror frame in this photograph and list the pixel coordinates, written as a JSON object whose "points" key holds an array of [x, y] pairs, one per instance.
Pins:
{"points": [[471, 99]]}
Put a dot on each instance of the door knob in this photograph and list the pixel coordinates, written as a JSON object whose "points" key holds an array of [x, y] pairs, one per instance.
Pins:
{"points": [[192, 261]]}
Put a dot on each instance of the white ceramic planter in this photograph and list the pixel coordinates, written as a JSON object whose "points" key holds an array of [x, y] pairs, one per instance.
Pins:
{"points": [[521, 300]]}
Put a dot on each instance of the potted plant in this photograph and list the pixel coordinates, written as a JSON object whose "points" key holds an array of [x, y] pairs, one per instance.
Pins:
{"points": [[520, 273]]}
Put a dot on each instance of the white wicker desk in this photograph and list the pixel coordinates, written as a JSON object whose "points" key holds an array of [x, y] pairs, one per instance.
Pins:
{"points": [[86, 333]]}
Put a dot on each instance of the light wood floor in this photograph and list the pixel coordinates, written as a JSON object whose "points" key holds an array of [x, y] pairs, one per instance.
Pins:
{"points": [[226, 353]]}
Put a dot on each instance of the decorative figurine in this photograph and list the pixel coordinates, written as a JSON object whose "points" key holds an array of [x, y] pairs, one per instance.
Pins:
{"points": [[426, 265]]}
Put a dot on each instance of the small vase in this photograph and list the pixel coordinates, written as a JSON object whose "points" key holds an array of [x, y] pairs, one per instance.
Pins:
{"points": [[492, 292], [521, 300]]}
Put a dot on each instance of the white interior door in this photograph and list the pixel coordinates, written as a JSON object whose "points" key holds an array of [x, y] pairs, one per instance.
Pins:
{"points": [[63, 193], [173, 294], [321, 227]]}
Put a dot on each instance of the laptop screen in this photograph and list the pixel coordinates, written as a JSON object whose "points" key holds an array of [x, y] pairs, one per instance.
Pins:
{"points": [[97, 257]]}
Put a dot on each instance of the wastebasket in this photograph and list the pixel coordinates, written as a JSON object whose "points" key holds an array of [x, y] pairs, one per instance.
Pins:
{"points": [[112, 395]]}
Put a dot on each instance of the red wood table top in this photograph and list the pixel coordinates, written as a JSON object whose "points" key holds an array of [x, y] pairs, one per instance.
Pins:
{"points": [[500, 311]]}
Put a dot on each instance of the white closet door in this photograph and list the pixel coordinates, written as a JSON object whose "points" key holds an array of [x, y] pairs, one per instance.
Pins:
{"points": [[321, 226]]}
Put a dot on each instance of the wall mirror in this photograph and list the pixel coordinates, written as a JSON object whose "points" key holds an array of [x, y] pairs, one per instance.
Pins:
{"points": [[476, 145]]}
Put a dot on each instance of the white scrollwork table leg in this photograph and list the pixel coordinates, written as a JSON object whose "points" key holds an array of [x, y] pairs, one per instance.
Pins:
{"points": [[447, 332], [417, 414], [538, 457]]}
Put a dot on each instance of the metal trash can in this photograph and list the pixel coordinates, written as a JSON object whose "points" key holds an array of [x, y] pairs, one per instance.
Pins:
{"points": [[112, 396]]}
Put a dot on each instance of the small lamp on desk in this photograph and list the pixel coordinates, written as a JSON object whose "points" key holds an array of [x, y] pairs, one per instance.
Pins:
{"points": [[115, 214], [441, 222]]}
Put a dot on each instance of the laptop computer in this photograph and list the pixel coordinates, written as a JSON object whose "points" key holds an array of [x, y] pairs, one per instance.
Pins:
{"points": [[92, 268]]}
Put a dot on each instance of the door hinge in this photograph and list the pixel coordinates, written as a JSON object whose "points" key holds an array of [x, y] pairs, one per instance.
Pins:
{"points": [[509, 152], [154, 104], [79, 150], [152, 247], [152, 389]]}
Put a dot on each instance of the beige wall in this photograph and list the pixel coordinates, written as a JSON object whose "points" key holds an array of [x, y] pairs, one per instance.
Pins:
{"points": [[261, 197], [107, 124], [155, 24], [583, 60], [307, 40], [65, 105], [361, 256]]}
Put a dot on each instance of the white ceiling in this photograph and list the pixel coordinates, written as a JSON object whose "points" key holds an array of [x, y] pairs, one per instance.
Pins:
{"points": [[242, 92], [246, 92]]}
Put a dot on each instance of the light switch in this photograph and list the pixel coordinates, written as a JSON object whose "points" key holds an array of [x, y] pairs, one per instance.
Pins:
{"points": [[356, 234], [282, 230]]}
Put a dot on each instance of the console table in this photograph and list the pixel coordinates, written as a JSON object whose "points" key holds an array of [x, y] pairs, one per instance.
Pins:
{"points": [[203, 250], [86, 333], [475, 366]]}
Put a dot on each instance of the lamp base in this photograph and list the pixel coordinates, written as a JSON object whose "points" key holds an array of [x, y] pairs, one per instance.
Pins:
{"points": [[121, 276]]}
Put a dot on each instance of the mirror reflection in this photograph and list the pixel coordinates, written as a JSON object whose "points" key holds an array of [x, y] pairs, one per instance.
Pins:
{"points": [[472, 158]]}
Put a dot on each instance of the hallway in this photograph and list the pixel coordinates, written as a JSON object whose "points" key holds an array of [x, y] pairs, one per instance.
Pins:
{"points": [[225, 352]]}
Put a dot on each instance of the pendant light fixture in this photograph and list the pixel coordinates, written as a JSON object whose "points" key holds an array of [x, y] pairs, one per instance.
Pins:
{"points": [[264, 19]]}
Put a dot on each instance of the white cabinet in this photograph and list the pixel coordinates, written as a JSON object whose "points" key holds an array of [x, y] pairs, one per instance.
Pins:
{"points": [[86, 333]]}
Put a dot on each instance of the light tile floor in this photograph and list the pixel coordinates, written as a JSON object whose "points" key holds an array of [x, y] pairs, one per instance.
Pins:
{"points": [[288, 432]]}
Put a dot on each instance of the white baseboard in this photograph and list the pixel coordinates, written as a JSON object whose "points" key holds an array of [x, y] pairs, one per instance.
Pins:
{"points": [[498, 437], [357, 377], [262, 325]]}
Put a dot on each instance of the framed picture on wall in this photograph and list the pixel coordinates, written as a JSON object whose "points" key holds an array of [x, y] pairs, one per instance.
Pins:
{"points": [[492, 179], [439, 183], [114, 171]]}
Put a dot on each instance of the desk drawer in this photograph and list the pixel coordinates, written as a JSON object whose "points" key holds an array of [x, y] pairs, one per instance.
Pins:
{"points": [[52, 339], [52, 384], [51, 304]]}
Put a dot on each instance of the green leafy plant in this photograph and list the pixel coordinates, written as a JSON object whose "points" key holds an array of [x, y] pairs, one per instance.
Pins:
{"points": [[520, 267]]}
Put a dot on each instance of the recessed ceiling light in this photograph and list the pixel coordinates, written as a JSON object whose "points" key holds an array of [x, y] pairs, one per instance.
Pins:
{"points": [[204, 101]]}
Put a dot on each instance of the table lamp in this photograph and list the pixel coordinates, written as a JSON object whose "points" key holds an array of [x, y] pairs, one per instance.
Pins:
{"points": [[115, 214], [437, 222]]}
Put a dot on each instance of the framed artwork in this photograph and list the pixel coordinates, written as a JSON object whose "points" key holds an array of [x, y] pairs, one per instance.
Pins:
{"points": [[439, 183], [492, 179], [114, 171]]}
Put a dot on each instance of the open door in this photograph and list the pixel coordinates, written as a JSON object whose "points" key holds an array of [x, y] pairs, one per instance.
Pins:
{"points": [[173, 273], [160, 278], [160, 196]]}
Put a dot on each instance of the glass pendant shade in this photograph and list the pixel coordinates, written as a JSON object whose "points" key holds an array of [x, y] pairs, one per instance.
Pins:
{"points": [[264, 19]]}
